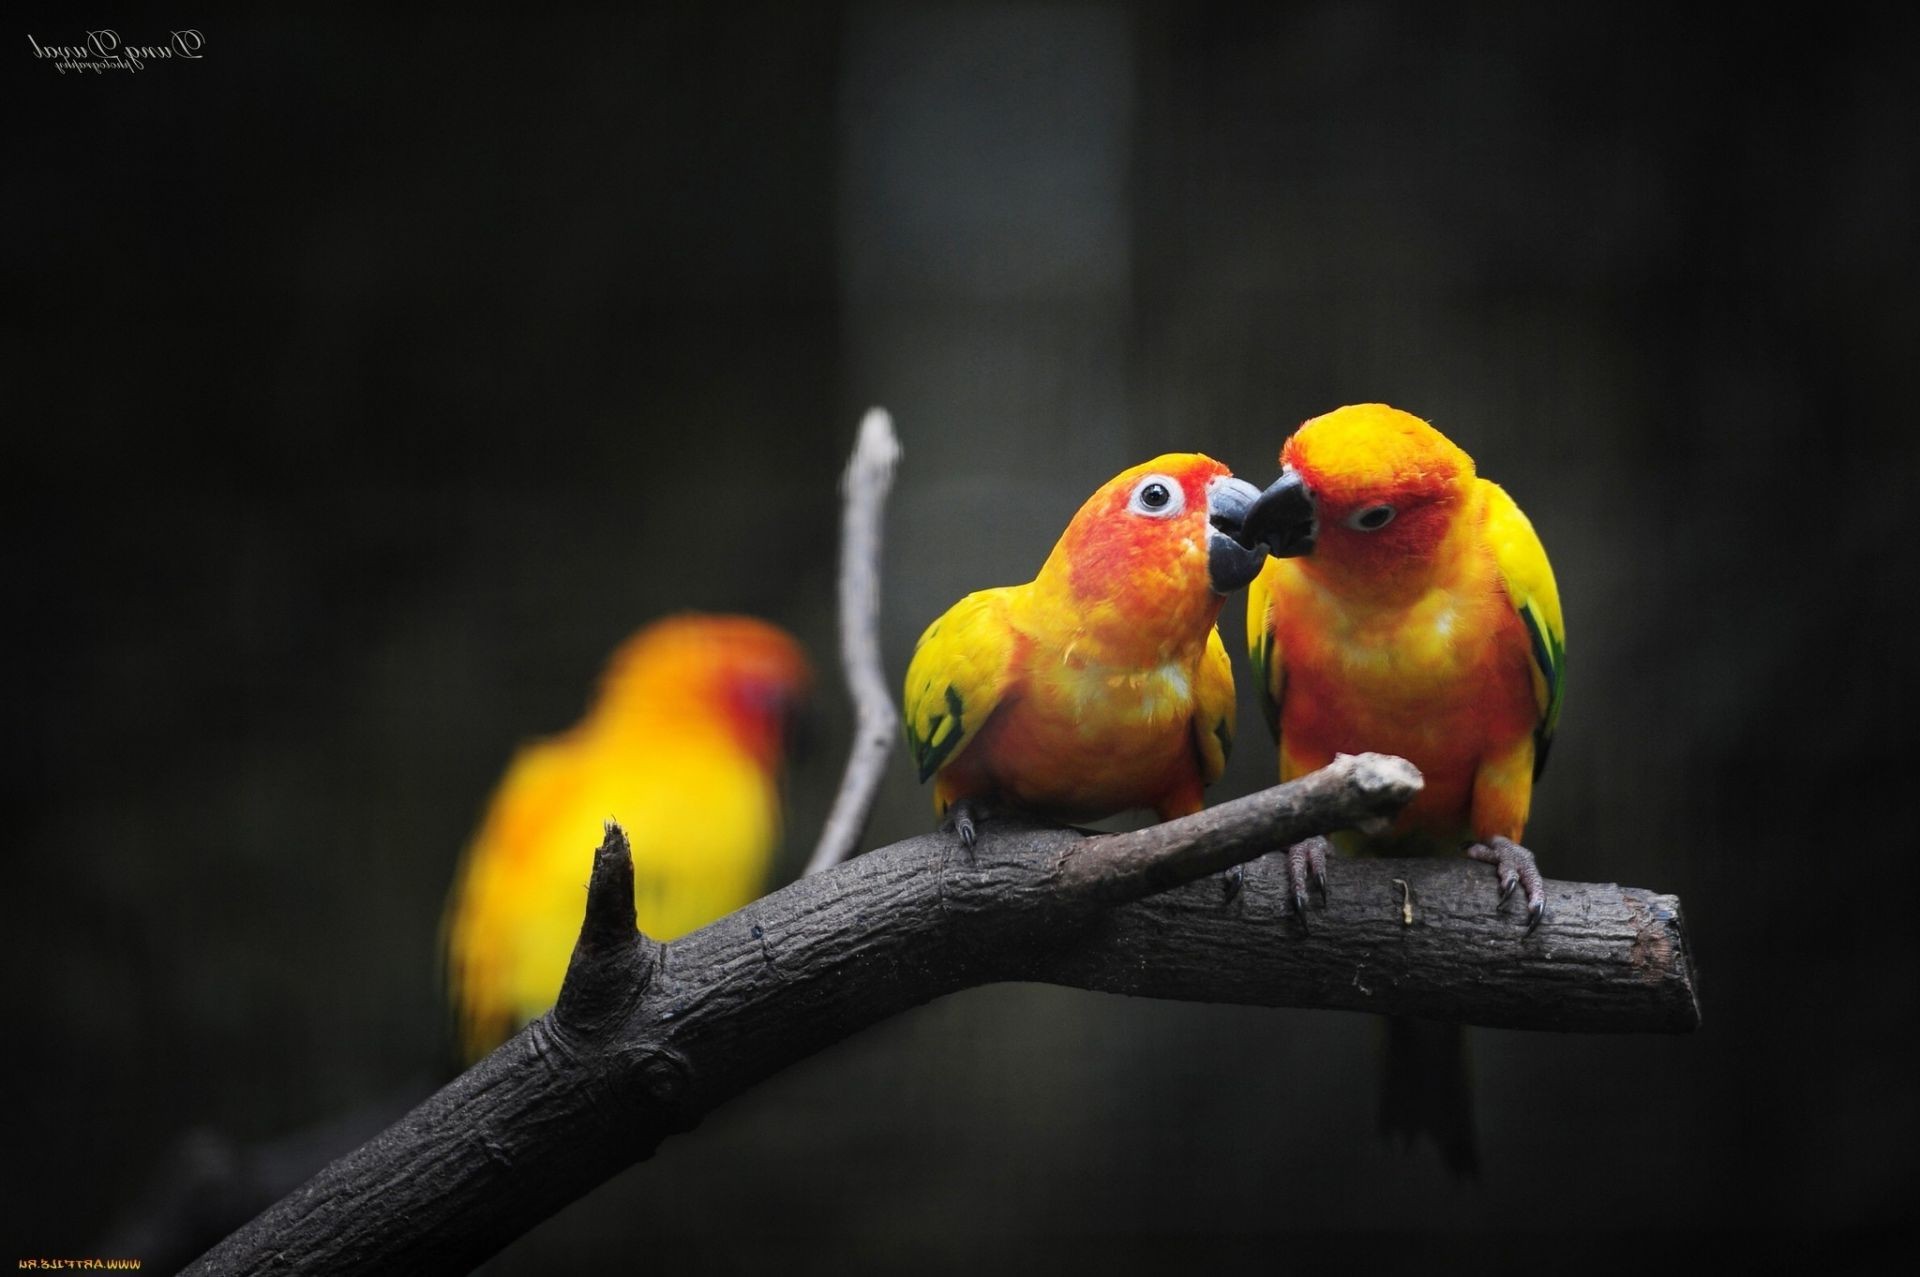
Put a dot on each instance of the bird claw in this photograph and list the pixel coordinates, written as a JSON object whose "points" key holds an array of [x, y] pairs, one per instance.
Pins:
{"points": [[1307, 865], [1232, 879], [1516, 867], [964, 818]]}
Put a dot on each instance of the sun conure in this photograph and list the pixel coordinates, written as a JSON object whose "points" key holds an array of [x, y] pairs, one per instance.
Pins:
{"points": [[1410, 610], [684, 744], [1101, 685]]}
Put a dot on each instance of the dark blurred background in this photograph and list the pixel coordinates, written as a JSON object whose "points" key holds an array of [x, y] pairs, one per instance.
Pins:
{"points": [[369, 379]]}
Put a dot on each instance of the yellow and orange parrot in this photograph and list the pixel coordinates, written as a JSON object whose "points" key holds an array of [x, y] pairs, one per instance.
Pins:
{"points": [[685, 744], [1101, 685], [1408, 609]]}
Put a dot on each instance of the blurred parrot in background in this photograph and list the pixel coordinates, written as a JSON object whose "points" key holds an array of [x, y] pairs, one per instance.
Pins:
{"points": [[685, 745], [1409, 609], [1102, 685]]}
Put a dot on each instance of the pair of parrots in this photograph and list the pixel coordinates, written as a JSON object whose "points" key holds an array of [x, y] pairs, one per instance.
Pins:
{"points": [[1398, 603]]}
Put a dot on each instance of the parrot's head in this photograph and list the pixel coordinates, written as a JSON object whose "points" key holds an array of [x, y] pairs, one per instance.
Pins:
{"points": [[737, 674], [1161, 531], [1366, 486]]}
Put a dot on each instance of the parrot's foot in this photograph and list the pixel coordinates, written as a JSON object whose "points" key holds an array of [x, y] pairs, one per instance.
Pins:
{"points": [[965, 818], [1232, 879], [1307, 862], [1517, 869]]}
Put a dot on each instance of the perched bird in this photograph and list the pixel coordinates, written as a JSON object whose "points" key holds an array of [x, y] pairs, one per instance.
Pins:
{"points": [[1101, 685], [685, 745], [1410, 610]]}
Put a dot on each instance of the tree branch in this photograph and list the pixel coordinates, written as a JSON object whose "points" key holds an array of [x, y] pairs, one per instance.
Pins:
{"points": [[599, 1083], [863, 491], [210, 1184]]}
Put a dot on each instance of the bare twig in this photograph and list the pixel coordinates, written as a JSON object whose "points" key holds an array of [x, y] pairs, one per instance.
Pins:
{"points": [[1131, 865], [616, 1068], [863, 489]]}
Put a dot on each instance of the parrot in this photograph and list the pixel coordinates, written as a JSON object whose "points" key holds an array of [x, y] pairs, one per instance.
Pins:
{"points": [[1102, 685], [685, 743], [1407, 607]]}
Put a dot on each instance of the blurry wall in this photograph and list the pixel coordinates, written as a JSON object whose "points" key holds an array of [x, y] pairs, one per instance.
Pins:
{"points": [[369, 381]]}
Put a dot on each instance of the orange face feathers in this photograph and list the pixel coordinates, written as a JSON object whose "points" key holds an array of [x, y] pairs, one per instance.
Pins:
{"points": [[753, 673], [1144, 530], [1365, 450], [1385, 484]]}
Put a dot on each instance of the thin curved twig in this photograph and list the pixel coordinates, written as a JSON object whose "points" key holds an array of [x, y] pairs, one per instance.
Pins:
{"points": [[863, 493]]}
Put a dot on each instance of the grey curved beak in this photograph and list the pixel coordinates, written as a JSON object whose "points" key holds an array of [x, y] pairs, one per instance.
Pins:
{"points": [[1282, 520], [1232, 560]]}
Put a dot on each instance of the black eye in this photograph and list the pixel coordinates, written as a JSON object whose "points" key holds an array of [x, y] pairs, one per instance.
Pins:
{"points": [[1157, 497], [1371, 519]]}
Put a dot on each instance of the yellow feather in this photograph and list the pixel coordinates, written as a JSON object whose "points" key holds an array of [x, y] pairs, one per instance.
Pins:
{"points": [[663, 753], [1101, 685], [1214, 709], [1531, 589], [960, 668]]}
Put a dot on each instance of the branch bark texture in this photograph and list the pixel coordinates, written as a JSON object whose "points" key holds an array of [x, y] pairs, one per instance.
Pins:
{"points": [[648, 1038]]}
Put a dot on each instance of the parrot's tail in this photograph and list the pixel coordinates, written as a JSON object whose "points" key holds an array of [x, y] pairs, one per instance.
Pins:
{"points": [[1425, 1090]]}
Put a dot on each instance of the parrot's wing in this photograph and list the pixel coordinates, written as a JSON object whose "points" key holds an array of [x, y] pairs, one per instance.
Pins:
{"points": [[1531, 590], [1213, 709], [480, 927], [960, 669], [1269, 674]]}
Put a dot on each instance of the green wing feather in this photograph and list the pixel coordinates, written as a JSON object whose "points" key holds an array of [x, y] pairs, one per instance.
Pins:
{"points": [[1531, 589], [959, 672]]}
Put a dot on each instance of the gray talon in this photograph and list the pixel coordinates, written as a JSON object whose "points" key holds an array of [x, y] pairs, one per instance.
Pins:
{"points": [[1516, 868], [1307, 863], [962, 819]]}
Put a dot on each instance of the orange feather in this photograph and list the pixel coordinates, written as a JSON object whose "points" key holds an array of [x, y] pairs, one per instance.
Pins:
{"points": [[1408, 638], [1101, 685], [683, 745]]}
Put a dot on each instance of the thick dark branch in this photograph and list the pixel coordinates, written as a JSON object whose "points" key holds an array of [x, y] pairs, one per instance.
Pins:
{"points": [[1608, 959], [564, 1105], [863, 494], [611, 960]]}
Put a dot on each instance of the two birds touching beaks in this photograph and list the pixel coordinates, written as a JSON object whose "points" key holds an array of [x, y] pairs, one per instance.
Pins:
{"points": [[1398, 603]]}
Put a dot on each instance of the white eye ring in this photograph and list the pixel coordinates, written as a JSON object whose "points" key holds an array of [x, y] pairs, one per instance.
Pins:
{"points": [[1371, 519], [1157, 497]]}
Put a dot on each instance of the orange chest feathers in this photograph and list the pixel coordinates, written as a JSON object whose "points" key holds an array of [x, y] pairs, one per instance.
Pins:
{"points": [[1443, 680], [1079, 740]]}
